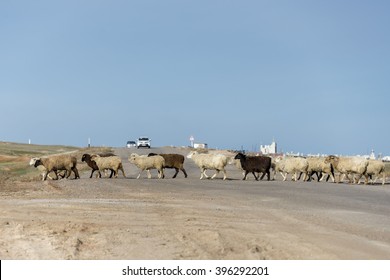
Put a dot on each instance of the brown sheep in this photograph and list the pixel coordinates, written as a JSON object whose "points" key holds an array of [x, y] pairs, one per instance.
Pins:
{"points": [[175, 161]]}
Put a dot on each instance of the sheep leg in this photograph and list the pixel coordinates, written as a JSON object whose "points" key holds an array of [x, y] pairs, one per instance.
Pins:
{"points": [[115, 173], [67, 173], [55, 174], [319, 175], [310, 176], [176, 172], [296, 178], [224, 174], [112, 173], [268, 175], [44, 175], [99, 175], [257, 178], [203, 172], [342, 176], [284, 176], [262, 175], [184, 171], [366, 179], [216, 173], [356, 180], [373, 181], [76, 173], [245, 174], [149, 174], [304, 176], [293, 177], [48, 176], [161, 174], [123, 171]]}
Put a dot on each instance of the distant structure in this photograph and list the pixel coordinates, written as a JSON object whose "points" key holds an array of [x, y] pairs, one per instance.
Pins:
{"points": [[197, 145], [200, 146], [269, 149], [372, 155], [386, 158]]}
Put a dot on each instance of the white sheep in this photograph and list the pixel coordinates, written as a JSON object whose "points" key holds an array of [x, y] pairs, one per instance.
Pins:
{"points": [[210, 161], [113, 163], [318, 165], [349, 165], [376, 168], [146, 163], [56, 163], [291, 165]]}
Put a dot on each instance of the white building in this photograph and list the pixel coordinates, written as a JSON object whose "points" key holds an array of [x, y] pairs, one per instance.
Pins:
{"points": [[200, 145], [269, 149]]}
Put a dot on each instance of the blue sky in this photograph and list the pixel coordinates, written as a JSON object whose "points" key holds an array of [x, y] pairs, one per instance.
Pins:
{"points": [[313, 75]]}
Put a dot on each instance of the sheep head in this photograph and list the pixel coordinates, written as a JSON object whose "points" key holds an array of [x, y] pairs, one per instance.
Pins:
{"points": [[191, 154], [85, 157], [132, 157], [38, 162], [33, 160], [331, 159], [240, 156]]}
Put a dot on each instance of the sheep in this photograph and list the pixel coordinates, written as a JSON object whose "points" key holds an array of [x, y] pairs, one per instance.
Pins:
{"points": [[87, 158], [255, 164], [113, 163], [349, 165], [291, 165], [376, 167], [317, 165], [175, 161], [209, 161], [42, 169], [56, 163], [146, 163]]}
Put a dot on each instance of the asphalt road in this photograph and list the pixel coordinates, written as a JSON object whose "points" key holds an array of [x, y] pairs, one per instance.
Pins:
{"points": [[354, 220], [189, 218]]}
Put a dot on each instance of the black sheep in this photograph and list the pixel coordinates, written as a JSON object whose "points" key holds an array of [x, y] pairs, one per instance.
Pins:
{"points": [[259, 164]]}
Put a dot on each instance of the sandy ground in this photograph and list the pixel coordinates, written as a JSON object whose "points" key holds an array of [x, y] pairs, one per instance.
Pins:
{"points": [[180, 218]]}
